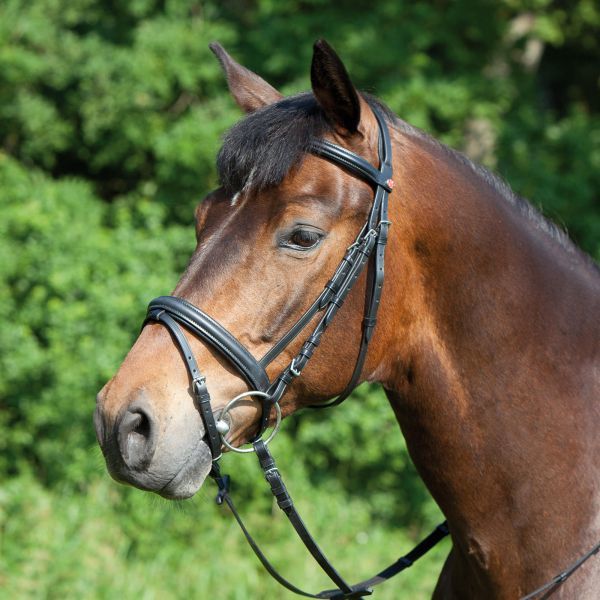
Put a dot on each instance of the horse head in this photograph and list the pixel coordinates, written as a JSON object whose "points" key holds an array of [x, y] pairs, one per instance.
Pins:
{"points": [[268, 241]]}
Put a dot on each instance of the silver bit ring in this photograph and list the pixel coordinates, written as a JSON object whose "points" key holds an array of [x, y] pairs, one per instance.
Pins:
{"points": [[230, 405]]}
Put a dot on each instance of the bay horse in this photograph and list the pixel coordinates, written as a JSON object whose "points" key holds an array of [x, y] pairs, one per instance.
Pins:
{"points": [[486, 344]]}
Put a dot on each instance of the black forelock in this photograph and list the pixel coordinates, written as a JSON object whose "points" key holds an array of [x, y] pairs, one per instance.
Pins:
{"points": [[260, 150]]}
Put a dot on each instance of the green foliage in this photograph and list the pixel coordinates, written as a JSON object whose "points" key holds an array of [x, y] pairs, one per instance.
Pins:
{"points": [[107, 93], [71, 288], [560, 166], [110, 543], [110, 119]]}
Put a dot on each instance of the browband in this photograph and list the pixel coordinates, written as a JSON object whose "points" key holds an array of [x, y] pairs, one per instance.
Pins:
{"points": [[353, 162]]}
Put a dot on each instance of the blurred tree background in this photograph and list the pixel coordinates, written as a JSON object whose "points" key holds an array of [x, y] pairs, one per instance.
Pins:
{"points": [[110, 118]]}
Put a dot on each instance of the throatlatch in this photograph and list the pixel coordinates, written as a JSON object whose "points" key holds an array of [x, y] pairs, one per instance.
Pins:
{"points": [[367, 249]]}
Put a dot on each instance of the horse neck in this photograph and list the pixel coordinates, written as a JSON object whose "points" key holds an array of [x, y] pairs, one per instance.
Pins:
{"points": [[492, 384]]}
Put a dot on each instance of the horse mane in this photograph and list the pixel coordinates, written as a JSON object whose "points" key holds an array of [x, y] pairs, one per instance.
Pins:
{"points": [[498, 184], [260, 150]]}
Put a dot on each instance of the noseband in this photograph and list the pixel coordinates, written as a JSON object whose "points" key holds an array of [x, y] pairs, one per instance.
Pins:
{"points": [[367, 249]]}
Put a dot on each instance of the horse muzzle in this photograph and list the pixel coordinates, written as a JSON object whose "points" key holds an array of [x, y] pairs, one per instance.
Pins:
{"points": [[169, 458]]}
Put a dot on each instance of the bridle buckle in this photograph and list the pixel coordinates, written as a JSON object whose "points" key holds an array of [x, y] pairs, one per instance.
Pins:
{"points": [[293, 370], [199, 380]]}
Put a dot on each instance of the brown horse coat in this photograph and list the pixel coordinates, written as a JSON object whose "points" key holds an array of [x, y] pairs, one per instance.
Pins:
{"points": [[487, 342]]}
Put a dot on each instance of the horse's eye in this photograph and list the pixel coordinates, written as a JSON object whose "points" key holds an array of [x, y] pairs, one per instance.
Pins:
{"points": [[304, 239]]}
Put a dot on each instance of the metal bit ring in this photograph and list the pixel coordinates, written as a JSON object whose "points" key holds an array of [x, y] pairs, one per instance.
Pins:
{"points": [[230, 405]]}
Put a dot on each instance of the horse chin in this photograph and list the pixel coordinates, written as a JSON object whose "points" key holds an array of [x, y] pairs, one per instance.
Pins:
{"points": [[190, 477]]}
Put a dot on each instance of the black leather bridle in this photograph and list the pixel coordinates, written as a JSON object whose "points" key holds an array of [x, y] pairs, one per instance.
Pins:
{"points": [[368, 248], [369, 244]]}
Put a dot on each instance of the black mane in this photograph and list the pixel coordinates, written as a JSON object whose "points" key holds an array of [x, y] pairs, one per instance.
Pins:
{"points": [[259, 151]]}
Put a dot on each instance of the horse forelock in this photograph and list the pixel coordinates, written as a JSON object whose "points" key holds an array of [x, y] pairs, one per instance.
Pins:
{"points": [[259, 151]]}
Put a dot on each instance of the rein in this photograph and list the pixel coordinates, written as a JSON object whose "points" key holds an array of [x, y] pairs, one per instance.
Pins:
{"points": [[367, 249]]}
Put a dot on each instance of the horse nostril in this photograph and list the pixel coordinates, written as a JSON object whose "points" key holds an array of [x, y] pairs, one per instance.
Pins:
{"points": [[137, 439]]}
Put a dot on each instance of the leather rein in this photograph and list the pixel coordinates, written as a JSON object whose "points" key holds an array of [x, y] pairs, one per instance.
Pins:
{"points": [[367, 249]]}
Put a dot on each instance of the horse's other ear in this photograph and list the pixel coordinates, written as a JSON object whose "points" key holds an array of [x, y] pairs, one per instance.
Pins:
{"points": [[250, 91], [333, 89]]}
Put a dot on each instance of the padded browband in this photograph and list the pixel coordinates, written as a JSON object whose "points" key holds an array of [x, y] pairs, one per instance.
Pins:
{"points": [[216, 335], [354, 163]]}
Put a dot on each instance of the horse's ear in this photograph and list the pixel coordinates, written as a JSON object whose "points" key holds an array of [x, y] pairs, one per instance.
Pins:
{"points": [[250, 91], [333, 89]]}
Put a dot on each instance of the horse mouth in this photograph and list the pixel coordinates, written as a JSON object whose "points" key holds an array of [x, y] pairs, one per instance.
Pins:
{"points": [[190, 476], [172, 473]]}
